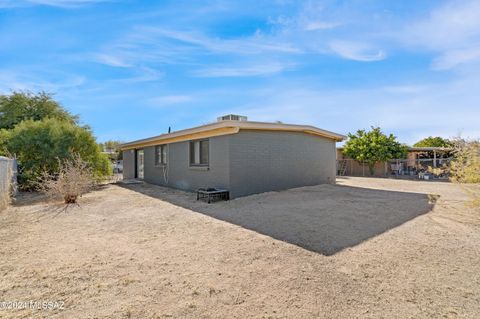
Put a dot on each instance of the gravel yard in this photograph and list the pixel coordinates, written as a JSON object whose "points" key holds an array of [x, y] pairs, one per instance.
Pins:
{"points": [[364, 248]]}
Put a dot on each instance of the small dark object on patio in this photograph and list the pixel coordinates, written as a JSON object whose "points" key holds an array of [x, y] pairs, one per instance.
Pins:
{"points": [[212, 194]]}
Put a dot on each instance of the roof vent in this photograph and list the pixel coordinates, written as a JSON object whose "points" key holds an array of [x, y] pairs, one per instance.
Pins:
{"points": [[231, 117]]}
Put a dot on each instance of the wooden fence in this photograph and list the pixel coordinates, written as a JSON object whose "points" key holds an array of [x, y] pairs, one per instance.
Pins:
{"points": [[402, 168]]}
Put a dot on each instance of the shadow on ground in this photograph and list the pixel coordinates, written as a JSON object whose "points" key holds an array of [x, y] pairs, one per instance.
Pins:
{"points": [[35, 197], [323, 218]]}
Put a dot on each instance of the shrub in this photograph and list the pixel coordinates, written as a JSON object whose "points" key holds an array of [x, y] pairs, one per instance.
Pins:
{"points": [[74, 178], [465, 167], [40, 145]]}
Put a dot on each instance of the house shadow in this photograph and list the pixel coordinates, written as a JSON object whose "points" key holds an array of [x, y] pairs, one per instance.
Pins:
{"points": [[324, 218]]}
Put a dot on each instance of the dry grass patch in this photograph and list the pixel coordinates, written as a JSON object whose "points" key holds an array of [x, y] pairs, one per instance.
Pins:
{"points": [[148, 252]]}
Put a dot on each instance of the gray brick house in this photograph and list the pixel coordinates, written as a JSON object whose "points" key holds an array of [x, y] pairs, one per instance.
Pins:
{"points": [[242, 156]]}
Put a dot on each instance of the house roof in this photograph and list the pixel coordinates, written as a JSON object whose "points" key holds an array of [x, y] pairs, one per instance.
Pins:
{"points": [[226, 128]]}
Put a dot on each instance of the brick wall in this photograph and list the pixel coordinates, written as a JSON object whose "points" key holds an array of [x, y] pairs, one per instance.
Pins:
{"points": [[263, 161]]}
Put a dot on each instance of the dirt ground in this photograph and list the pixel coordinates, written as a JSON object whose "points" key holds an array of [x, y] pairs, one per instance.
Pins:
{"points": [[365, 248]]}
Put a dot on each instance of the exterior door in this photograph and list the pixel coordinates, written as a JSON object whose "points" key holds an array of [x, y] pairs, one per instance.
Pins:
{"points": [[140, 164]]}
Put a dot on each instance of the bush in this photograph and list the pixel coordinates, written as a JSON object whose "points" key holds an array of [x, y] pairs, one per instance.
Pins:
{"points": [[465, 167], [74, 178], [40, 145]]}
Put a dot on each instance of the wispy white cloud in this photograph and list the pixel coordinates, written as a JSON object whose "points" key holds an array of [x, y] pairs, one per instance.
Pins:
{"points": [[408, 110], [51, 3], [311, 16], [66, 3], [448, 26], [111, 60], [289, 38], [453, 58], [141, 74], [257, 43], [356, 51], [302, 22], [452, 31], [152, 56], [320, 25], [247, 70], [17, 80], [155, 45], [405, 89]]}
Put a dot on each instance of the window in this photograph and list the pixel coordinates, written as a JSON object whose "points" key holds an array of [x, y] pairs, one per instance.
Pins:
{"points": [[199, 153], [161, 155]]}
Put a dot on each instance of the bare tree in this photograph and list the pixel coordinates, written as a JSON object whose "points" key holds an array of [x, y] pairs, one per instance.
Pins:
{"points": [[75, 178]]}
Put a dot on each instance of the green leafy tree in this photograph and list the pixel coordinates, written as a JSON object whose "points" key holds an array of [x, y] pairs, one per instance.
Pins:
{"points": [[21, 106], [110, 145], [373, 146], [40, 145], [112, 148], [434, 142]]}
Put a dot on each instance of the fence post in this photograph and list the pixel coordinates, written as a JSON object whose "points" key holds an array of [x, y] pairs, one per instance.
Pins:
{"points": [[14, 184], [6, 175]]}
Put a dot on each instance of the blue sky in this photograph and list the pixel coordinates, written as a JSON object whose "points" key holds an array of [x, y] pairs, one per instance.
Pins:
{"points": [[131, 69]]}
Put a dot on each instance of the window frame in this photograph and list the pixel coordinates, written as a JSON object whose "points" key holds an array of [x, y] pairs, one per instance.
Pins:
{"points": [[191, 153], [160, 160]]}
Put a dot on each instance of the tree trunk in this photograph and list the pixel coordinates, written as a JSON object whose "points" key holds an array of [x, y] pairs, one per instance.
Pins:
{"points": [[371, 167], [70, 198]]}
